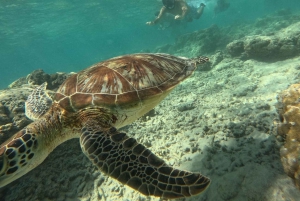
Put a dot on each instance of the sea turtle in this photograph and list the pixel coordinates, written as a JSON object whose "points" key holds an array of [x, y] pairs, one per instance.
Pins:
{"points": [[92, 105]]}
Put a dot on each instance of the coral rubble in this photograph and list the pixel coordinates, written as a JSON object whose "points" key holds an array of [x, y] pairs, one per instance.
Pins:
{"points": [[289, 128], [38, 77]]}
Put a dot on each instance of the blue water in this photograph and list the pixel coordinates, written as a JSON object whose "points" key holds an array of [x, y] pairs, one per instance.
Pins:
{"points": [[66, 36]]}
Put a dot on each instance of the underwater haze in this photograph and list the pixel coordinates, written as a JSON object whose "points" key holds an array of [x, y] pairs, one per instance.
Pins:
{"points": [[230, 124], [65, 36]]}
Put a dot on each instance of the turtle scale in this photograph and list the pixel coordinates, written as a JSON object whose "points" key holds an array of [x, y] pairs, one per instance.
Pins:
{"points": [[91, 106]]}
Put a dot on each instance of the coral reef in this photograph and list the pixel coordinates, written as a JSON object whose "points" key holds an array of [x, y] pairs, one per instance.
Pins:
{"points": [[12, 117], [289, 128], [38, 77], [275, 36], [203, 41], [219, 122], [12, 100], [282, 45]]}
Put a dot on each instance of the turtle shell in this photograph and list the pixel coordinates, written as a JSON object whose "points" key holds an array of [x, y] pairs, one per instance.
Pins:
{"points": [[131, 82]]}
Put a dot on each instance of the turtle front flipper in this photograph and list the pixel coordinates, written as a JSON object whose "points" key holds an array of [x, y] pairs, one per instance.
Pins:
{"points": [[19, 155], [131, 163]]}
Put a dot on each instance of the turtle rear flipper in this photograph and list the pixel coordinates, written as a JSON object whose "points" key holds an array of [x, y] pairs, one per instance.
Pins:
{"points": [[38, 102], [132, 164]]}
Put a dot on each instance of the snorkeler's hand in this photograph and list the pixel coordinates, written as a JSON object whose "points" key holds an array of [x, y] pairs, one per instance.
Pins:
{"points": [[150, 23], [177, 17]]}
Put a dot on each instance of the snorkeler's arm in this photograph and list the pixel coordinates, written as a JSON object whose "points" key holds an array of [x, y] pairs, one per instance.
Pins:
{"points": [[161, 12]]}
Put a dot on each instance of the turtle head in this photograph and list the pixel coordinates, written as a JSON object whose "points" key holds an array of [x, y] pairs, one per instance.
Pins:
{"points": [[194, 62], [200, 60]]}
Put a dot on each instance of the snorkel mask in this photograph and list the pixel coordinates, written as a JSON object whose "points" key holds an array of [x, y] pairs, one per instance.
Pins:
{"points": [[169, 4]]}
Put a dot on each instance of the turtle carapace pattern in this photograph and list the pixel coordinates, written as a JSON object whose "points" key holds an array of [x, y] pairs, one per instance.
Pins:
{"points": [[92, 105]]}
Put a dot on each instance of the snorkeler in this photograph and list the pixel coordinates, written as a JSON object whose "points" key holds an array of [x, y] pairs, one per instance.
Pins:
{"points": [[167, 21], [180, 9]]}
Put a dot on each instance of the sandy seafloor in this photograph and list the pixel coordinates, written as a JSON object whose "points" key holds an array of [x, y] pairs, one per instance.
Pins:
{"points": [[220, 122]]}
